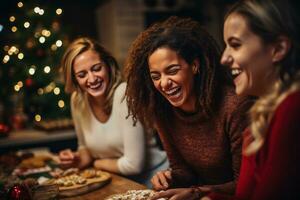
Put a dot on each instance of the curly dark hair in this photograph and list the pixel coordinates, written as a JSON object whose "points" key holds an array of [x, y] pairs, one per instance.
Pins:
{"points": [[186, 37]]}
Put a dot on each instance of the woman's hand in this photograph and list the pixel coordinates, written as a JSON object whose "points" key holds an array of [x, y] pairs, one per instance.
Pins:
{"points": [[68, 158], [182, 194], [162, 180]]}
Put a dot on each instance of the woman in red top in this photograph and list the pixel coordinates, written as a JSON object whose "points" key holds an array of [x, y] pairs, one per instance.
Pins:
{"points": [[263, 52]]}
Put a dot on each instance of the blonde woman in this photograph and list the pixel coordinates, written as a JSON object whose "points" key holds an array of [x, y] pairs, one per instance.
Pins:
{"points": [[263, 52], [106, 138]]}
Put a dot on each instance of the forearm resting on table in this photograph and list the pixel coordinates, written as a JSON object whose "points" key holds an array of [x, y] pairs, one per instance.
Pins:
{"points": [[226, 188], [110, 165]]}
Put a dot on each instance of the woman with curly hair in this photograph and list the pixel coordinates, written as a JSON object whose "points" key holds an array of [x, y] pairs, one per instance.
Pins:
{"points": [[176, 85], [106, 138], [263, 47]]}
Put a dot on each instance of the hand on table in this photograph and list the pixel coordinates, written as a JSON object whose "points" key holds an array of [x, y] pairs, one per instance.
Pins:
{"points": [[162, 180], [182, 194], [68, 158]]}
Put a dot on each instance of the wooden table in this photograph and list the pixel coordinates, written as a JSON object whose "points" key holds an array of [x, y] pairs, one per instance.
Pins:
{"points": [[117, 185]]}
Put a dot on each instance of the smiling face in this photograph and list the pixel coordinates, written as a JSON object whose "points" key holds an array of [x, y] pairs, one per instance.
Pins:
{"points": [[250, 60], [91, 73], [173, 77]]}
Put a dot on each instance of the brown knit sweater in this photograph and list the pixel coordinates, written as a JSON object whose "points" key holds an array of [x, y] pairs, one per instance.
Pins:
{"points": [[205, 151]]}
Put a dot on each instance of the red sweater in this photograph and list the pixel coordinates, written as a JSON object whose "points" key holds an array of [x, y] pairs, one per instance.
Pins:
{"points": [[273, 172], [205, 151]]}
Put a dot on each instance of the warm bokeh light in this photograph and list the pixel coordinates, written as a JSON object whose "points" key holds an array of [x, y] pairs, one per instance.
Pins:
{"points": [[56, 91], [31, 70], [20, 84], [46, 33], [26, 24], [14, 29], [61, 103], [20, 56], [17, 88], [58, 11], [6, 58], [42, 39], [41, 11], [38, 117], [58, 43], [20, 4], [53, 47], [40, 91], [12, 18], [47, 69], [36, 9]]}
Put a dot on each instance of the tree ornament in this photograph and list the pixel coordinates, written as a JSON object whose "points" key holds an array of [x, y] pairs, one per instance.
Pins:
{"points": [[28, 82], [19, 192]]}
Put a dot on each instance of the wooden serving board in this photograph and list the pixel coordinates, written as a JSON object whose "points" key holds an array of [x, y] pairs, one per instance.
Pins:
{"points": [[90, 185]]}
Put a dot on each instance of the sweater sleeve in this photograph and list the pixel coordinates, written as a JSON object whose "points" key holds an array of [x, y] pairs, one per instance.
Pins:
{"points": [[280, 176], [133, 159], [236, 124]]}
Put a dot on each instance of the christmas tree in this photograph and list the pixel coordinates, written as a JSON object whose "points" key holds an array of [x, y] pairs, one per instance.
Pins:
{"points": [[33, 43]]}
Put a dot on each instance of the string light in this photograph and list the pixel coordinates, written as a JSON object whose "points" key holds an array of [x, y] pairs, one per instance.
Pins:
{"points": [[26, 24], [42, 39], [6, 58], [47, 69], [20, 4], [36, 10], [49, 87], [12, 18], [41, 11], [17, 88], [38, 117], [58, 11], [46, 33], [40, 91], [58, 43], [37, 34], [20, 56], [20, 84], [56, 91], [6, 48], [14, 29], [31, 70], [61, 103], [53, 47]]}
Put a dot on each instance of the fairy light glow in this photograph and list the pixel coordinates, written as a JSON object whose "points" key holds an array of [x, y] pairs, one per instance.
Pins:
{"points": [[12, 18], [20, 56], [56, 91], [40, 91], [38, 117], [17, 88], [20, 84], [58, 43], [6, 58], [26, 24], [42, 39], [61, 103], [47, 69], [31, 71], [58, 11], [20, 4], [36, 9], [14, 29]]}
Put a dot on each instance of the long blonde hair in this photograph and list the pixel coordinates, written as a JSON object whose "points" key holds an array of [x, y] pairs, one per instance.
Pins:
{"points": [[76, 48], [270, 19]]}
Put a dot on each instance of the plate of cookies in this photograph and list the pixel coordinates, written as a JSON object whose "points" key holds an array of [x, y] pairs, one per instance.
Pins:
{"points": [[134, 195], [74, 182]]}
